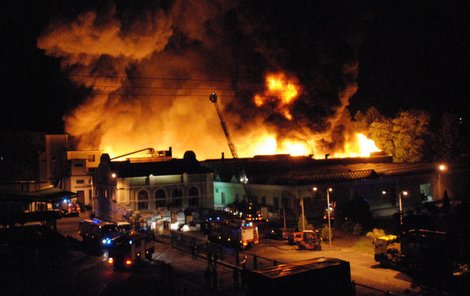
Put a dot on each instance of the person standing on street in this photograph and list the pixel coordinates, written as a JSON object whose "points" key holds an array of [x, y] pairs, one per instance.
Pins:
{"points": [[235, 278], [194, 251], [207, 278], [214, 279]]}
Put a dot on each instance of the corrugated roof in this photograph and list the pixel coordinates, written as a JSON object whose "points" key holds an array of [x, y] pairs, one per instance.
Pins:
{"points": [[304, 171]]}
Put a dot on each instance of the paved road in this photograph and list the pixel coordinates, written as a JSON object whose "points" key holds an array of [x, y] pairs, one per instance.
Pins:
{"points": [[187, 274]]}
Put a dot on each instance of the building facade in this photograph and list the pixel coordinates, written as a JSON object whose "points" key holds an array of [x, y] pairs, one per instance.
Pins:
{"points": [[155, 188], [294, 185]]}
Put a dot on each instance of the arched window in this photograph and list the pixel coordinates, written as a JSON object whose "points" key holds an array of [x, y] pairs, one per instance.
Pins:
{"points": [[193, 197], [177, 197], [142, 200], [160, 198]]}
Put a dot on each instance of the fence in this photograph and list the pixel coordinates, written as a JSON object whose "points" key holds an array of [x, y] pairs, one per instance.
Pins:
{"points": [[233, 258]]}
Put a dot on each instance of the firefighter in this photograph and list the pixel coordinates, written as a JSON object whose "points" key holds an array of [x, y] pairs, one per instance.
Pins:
{"points": [[235, 278]]}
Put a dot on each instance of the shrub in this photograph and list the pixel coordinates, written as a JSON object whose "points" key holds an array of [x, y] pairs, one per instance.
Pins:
{"points": [[357, 229], [375, 233], [325, 233], [347, 226]]}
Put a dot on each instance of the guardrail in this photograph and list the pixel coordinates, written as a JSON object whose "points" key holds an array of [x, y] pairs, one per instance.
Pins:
{"points": [[234, 258]]}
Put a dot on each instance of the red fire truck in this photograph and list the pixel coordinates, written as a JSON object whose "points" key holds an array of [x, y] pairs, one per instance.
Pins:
{"points": [[236, 233], [127, 251]]}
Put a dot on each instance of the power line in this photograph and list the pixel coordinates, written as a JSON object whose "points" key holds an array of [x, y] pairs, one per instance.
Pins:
{"points": [[130, 78], [152, 78]]}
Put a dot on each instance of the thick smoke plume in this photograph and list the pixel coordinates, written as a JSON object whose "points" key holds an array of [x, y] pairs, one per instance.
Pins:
{"points": [[151, 67]]}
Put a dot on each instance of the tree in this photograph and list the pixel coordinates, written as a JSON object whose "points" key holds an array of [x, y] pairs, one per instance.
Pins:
{"points": [[451, 143], [404, 136], [363, 120]]}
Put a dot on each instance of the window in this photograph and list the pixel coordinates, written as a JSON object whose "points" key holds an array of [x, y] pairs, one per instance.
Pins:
{"points": [[80, 196], [193, 195], [142, 200], [160, 198], [275, 204], [177, 197], [222, 197], [80, 181]]}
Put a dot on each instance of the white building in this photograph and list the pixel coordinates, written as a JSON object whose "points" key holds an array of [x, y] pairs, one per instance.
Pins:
{"points": [[152, 188]]}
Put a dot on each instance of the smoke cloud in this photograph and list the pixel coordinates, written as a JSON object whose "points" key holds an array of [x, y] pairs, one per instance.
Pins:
{"points": [[151, 67]]}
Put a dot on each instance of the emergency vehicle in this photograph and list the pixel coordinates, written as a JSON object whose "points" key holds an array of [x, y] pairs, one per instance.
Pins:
{"points": [[236, 233], [127, 251], [94, 230]]}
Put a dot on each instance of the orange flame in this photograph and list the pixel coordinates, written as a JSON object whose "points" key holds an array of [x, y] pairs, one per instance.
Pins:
{"points": [[359, 146], [281, 91]]}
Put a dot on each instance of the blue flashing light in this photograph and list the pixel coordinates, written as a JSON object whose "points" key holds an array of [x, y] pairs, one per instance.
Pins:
{"points": [[96, 221], [218, 218], [130, 242], [107, 241]]}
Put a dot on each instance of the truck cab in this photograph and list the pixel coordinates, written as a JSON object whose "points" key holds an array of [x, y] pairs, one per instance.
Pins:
{"points": [[94, 230], [127, 251]]}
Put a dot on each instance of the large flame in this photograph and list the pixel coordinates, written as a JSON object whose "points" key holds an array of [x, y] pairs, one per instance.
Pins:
{"points": [[359, 146], [281, 91], [150, 77]]}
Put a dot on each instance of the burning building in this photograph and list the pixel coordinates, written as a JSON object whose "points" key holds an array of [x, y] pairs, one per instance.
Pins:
{"points": [[147, 71]]}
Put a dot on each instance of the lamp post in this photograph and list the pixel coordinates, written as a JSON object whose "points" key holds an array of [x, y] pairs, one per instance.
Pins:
{"points": [[303, 212], [441, 169], [400, 204], [328, 213]]}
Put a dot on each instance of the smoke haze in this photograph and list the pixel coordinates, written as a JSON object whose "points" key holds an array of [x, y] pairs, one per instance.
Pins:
{"points": [[150, 68]]}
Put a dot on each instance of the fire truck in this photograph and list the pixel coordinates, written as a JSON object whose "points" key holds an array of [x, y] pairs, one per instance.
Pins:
{"points": [[94, 230], [127, 251], [235, 233]]}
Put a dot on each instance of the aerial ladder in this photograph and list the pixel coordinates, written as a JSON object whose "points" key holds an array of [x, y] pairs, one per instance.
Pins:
{"points": [[150, 151], [233, 149]]}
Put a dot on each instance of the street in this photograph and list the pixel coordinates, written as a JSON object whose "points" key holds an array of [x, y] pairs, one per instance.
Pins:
{"points": [[101, 279]]}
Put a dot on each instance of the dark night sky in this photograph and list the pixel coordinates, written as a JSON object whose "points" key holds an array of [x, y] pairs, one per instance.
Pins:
{"points": [[412, 54]]}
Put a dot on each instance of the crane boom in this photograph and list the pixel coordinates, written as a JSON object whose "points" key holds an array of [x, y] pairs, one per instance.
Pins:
{"points": [[150, 150], [243, 177], [233, 150]]}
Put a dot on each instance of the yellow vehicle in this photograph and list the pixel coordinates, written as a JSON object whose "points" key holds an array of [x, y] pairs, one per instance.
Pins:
{"points": [[310, 241], [387, 250]]}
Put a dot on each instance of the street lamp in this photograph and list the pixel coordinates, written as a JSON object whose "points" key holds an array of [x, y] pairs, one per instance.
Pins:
{"points": [[441, 169], [400, 204], [328, 213]]}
